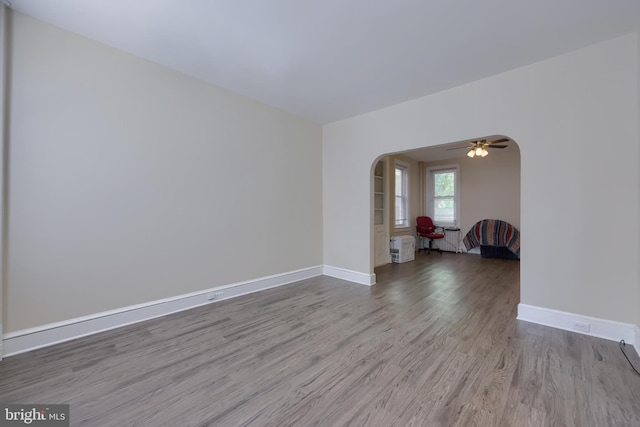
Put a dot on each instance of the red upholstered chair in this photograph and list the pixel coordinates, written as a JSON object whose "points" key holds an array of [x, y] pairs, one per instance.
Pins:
{"points": [[426, 229]]}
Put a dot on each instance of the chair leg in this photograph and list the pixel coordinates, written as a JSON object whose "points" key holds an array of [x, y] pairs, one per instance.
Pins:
{"points": [[432, 249], [421, 246]]}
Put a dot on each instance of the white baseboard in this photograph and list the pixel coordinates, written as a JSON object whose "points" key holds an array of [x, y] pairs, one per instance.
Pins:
{"points": [[54, 333], [600, 328], [350, 275]]}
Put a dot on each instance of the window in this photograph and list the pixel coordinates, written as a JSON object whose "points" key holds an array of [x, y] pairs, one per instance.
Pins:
{"points": [[402, 198], [442, 205]]}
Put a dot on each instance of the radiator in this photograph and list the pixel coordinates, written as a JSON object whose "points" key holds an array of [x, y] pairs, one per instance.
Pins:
{"points": [[450, 243]]}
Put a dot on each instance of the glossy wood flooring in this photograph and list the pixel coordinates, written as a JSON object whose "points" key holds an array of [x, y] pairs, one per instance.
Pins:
{"points": [[435, 343]]}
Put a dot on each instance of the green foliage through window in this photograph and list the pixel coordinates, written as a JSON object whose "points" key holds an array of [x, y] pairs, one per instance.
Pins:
{"points": [[444, 196], [444, 184]]}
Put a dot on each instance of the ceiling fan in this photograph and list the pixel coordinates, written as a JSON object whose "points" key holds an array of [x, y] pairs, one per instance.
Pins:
{"points": [[479, 147]]}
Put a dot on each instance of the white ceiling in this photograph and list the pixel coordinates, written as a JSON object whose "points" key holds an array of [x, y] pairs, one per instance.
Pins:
{"points": [[332, 59]]}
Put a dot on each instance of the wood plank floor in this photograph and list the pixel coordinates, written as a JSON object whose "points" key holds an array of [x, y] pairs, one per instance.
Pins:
{"points": [[435, 343]]}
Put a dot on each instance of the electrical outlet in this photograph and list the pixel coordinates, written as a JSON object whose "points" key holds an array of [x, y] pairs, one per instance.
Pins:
{"points": [[215, 295], [581, 326]]}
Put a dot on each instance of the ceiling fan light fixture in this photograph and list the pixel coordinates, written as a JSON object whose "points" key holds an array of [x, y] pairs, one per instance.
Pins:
{"points": [[479, 151], [471, 153], [484, 152]]}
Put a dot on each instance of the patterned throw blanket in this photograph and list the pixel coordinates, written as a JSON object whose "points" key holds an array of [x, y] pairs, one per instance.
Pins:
{"points": [[494, 232]]}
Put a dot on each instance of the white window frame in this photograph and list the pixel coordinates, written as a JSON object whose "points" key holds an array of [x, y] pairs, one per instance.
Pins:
{"points": [[404, 196], [430, 193]]}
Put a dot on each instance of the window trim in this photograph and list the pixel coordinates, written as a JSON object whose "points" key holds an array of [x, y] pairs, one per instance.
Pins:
{"points": [[430, 196], [405, 196]]}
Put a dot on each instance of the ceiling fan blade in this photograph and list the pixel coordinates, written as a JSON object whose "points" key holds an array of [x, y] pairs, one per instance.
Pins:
{"points": [[481, 143]]}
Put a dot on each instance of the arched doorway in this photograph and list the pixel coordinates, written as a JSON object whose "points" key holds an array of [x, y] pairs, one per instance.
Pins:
{"points": [[488, 187]]}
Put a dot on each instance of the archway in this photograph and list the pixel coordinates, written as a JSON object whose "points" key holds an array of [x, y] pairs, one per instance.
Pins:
{"points": [[488, 188]]}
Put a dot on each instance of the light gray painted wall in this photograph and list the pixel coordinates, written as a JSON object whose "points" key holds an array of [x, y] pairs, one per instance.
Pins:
{"points": [[638, 193], [575, 119], [130, 182], [4, 29]]}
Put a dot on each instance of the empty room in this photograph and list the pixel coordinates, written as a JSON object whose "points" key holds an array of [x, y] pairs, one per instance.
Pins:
{"points": [[200, 202]]}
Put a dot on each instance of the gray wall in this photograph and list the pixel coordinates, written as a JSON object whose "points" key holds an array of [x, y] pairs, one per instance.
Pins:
{"points": [[130, 182], [575, 119]]}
